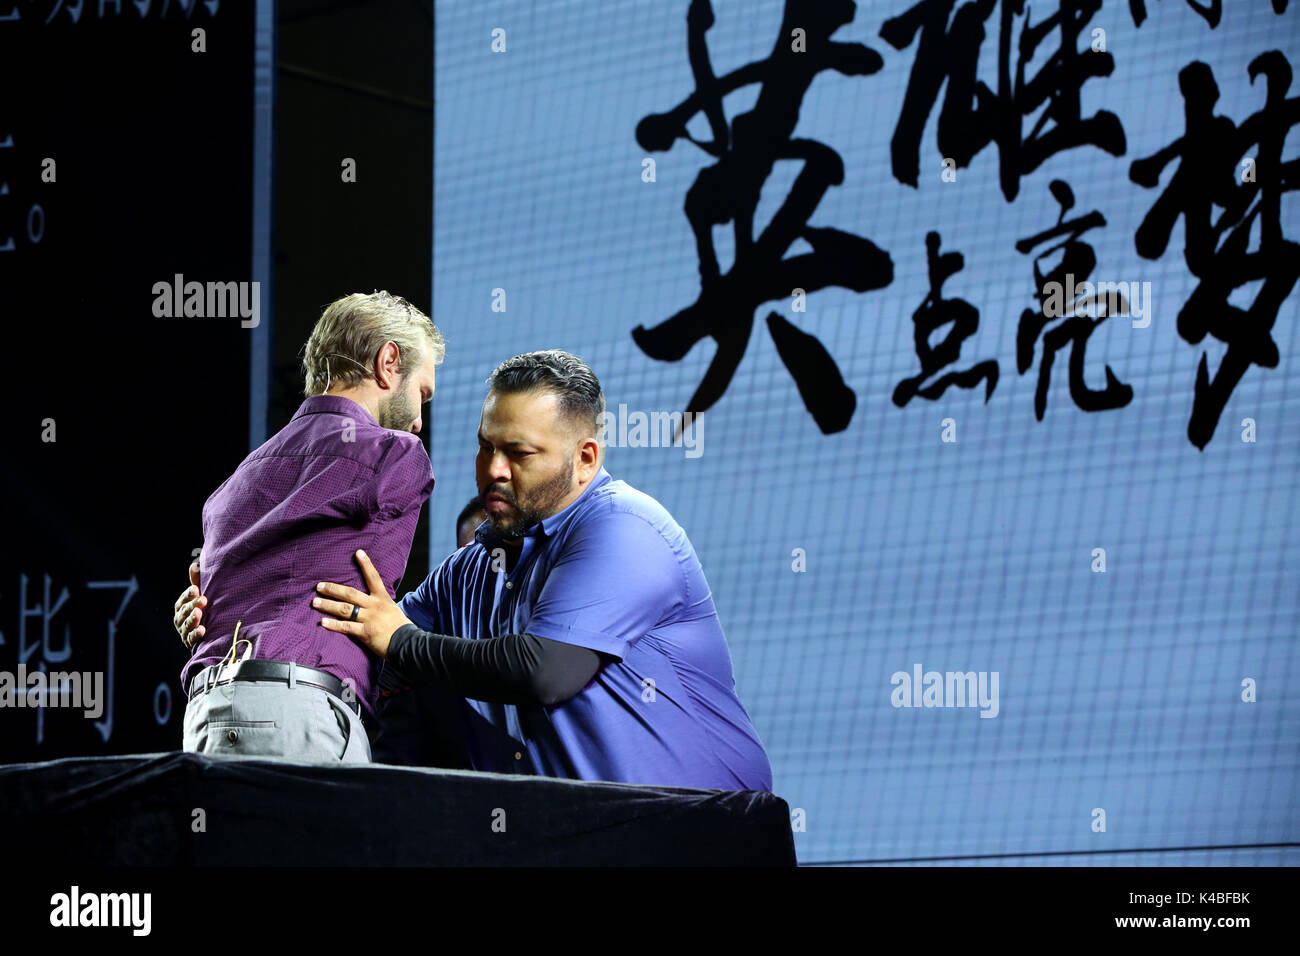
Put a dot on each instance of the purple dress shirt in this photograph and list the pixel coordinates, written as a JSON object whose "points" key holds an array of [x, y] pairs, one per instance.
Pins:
{"points": [[294, 513]]}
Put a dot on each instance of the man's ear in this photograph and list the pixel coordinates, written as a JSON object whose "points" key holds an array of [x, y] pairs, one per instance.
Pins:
{"points": [[388, 365], [588, 458]]}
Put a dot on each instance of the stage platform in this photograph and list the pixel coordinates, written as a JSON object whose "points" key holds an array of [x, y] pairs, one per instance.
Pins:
{"points": [[183, 809]]}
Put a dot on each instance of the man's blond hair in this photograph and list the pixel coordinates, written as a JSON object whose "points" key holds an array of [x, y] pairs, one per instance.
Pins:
{"points": [[345, 343]]}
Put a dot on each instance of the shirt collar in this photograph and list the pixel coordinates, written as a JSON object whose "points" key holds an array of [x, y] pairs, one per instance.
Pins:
{"points": [[331, 404], [549, 526]]}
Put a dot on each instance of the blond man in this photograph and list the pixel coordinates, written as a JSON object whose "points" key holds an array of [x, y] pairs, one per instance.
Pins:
{"points": [[347, 474]]}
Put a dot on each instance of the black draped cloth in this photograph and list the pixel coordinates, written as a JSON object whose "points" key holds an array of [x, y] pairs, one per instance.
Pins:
{"points": [[184, 809]]}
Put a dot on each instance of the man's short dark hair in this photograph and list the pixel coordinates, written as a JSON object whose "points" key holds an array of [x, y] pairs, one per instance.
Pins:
{"points": [[471, 510], [569, 377]]}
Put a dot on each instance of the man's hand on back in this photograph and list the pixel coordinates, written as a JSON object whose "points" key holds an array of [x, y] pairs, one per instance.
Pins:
{"points": [[189, 610], [369, 619]]}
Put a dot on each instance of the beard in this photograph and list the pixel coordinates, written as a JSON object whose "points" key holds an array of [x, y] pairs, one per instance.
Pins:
{"points": [[397, 411], [540, 503]]}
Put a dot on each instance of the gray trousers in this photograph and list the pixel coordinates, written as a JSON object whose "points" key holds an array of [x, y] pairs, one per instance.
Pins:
{"points": [[255, 718]]}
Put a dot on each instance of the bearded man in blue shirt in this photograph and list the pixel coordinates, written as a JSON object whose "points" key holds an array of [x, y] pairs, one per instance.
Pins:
{"points": [[578, 629]]}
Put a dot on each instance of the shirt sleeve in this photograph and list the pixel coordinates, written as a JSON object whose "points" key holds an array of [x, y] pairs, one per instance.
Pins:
{"points": [[616, 579], [514, 669], [425, 605], [403, 478]]}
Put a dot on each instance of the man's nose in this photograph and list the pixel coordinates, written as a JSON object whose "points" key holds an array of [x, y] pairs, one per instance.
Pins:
{"points": [[415, 425]]}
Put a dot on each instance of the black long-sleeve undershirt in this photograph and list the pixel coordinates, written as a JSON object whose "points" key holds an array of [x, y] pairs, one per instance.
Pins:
{"points": [[513, 669]]}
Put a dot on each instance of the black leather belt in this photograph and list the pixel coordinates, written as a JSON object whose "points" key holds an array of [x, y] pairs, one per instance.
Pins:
{"points": [[279, 671]]}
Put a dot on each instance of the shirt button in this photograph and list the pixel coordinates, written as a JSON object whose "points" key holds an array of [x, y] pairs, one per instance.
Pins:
{"points": [[509, 584], [518, 755], [232, 735]]}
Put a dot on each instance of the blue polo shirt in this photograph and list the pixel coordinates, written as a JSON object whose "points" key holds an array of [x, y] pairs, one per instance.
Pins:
{"points": [[612, 572]]}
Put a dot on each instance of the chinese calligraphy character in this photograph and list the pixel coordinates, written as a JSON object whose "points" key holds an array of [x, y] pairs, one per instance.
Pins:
{"points": [[1077, 261], [728, 192], [1209, 154], [934, 313]]}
